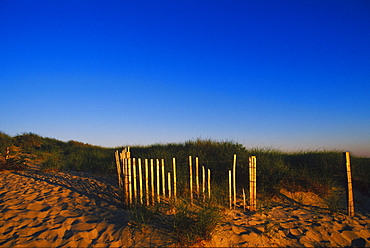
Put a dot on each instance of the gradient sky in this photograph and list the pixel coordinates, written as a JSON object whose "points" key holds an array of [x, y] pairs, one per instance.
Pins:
{"points": [[291, 75]]}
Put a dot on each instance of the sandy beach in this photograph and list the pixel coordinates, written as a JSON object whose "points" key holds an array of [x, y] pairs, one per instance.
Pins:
{"points": [[75, 209]]}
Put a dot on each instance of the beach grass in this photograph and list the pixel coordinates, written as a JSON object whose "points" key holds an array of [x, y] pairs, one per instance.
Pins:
{"points": [[315, 171], [186, 223]]}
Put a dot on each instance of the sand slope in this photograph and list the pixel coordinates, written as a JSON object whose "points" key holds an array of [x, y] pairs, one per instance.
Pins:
{"points": [[60, 209]]}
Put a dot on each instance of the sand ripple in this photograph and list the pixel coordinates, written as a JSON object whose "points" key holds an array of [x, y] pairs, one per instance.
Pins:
{"points": [[73, 209], [302, 227], [59, 210]]}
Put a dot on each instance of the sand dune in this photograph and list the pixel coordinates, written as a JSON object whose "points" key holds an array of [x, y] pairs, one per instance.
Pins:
{"points": [[60, 209]]}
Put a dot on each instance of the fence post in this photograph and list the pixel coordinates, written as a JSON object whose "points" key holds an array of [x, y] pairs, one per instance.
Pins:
{"points": [[350, 201], [140, 181], [209, 183], [158, 183], [134, 177], [146, 183], [252, 183], [234, 179], [120, 175], [244, 199], [191, 179], [163, 179], [174, 178], [169, 185], [203, 183], [125, 178], [230, 189], [129, 181], [152, 179], [118, 165], [197, 174], [128, 153]]}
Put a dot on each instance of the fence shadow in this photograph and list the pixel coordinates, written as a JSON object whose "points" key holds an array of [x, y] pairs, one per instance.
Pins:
{"points": [[100, 189]]}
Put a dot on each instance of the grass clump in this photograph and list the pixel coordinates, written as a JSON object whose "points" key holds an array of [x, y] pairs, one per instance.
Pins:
{"points": [[141, 216], [186, 223], [333, 202], [192, 223]]}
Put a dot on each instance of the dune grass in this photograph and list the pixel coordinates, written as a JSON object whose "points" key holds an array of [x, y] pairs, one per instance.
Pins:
{"points": [[186, 223], [192, 223], [52, 154], [316, 171]]}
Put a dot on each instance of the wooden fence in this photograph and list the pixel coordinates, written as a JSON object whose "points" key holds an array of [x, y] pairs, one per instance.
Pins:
{"points": [[146, 182], [149, 183]]}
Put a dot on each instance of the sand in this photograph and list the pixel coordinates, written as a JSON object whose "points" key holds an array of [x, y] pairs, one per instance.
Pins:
{"points": [[285, 225], [74, 209]]}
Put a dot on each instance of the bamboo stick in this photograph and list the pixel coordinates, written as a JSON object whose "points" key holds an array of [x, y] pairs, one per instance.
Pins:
{"points": [[152, 179], [197, 174], [163, 180], [234, 179], [140, 181], [191, 179], [158, 182], [134, 178], [230, 189], [350, 201], [146, 183], [169, 185], [209, 184], [174, 178]]}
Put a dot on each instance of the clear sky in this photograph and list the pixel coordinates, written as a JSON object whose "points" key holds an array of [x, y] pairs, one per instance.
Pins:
{"points": [[291, 75]]}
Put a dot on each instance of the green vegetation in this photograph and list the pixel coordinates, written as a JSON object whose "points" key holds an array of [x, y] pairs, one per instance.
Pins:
{"points": [[52, 154], [142, 216], [186, 223], [192, 223], [316, 171], [320, 172]]}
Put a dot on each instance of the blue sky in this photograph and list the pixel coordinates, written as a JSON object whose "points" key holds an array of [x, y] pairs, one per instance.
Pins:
{"points": [[291, 75]]}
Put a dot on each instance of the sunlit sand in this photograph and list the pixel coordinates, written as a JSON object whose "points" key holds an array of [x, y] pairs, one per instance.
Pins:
{"points": [[70, 209]]}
